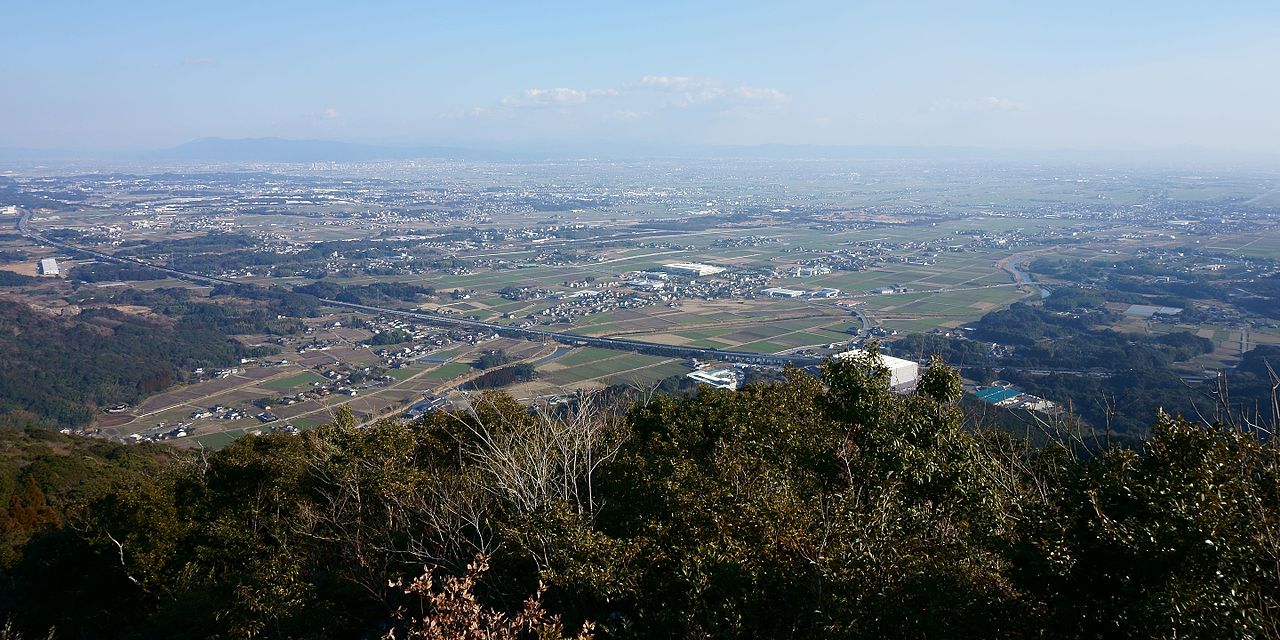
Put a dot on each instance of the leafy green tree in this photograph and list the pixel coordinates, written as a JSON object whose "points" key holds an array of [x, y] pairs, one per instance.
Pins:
{"points": [[1178, 539]]}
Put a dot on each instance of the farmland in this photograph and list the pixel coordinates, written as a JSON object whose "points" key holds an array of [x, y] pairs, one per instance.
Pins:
{"points": [[789, 258]]}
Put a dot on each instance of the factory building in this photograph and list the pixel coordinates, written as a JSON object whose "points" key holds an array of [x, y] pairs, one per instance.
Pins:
{"points": [[902, 373], [691, 269], [780, 292], [718, 378], [48, 267], [826, 293], [816, 270]]}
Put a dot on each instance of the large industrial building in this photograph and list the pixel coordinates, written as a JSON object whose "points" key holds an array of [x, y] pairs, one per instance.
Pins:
{"points": [[780, 292], [48, 267], [693, 269], [718, 378], [903, 374]]}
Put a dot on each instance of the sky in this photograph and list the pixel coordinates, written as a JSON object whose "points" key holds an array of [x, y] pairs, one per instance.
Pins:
{"points": [[1009, 75]]}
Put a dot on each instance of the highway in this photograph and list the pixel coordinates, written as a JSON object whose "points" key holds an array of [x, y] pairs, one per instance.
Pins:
{"points": [[619, 344]]}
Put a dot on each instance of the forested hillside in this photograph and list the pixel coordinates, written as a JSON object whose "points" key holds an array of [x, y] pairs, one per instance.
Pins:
{"points": [[1113, 380], [804, 508], [57, 370]]}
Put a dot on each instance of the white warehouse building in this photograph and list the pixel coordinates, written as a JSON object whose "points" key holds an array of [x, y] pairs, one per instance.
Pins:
{"points": [[48, 267], [903, 374], [693, 269]]}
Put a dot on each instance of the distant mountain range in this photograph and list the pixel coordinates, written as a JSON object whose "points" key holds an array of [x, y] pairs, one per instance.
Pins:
{"points": [[283, 150], [286, 150]]}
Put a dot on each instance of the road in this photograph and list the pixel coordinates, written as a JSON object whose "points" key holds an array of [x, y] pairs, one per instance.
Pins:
{"points": [[619, 344]]}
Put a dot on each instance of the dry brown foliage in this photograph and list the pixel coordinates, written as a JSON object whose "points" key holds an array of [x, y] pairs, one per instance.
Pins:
{"points": [[451, 611]]}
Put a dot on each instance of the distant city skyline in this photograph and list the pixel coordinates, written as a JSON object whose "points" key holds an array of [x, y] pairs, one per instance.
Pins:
{"points": [[1083, 75]]}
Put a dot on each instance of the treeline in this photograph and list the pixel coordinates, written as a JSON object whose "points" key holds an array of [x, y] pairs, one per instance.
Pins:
{"points": [[58, 370], [388, 337], [492, 358], [806, 508], [240, 318], [367, 294], [1043, 338], [498, 378], [1064, 341], [1138, 281], [112, 271], [1109, 379], [11, 279], [279, 300]]}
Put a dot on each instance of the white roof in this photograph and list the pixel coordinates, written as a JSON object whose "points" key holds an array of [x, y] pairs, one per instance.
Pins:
{"points": [[888, 361]]}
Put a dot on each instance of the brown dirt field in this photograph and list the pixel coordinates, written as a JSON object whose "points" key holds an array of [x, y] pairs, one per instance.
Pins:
{"points": [[110, 420], [666, 338], [27, 268]]}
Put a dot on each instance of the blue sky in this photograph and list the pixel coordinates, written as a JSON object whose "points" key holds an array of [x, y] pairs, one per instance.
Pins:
{"points": [[1114, 75]]}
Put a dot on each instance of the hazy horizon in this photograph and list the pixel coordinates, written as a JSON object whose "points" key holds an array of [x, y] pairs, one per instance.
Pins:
{"points": [[1090, 76]]}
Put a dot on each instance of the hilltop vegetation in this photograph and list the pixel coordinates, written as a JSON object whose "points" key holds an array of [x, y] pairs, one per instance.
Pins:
{"points": [[57, 370], [803, 508], [1111, 379]]}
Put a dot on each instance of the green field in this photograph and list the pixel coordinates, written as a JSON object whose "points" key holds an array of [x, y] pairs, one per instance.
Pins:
{"points": [[447, 371], [298, 381]]}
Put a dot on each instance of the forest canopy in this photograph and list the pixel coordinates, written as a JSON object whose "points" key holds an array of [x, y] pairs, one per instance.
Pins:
{"points": [[803, 508]]}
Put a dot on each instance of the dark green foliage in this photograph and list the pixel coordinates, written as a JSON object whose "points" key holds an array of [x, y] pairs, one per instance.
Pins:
{"points": [[497, 378], [940, 382], [1073, 298], [391, 336], [1110, 379], [804, 508], [1175, 540], [491, 359], [1139, 281], [112, 271], [369, 294], [56, 370], [279, 301], [11, 279]]}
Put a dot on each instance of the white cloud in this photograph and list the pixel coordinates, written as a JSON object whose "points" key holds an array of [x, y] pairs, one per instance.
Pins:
{"points": [[630, 116], [670, 83], [992, 103], [755, 94], [331, 114], [690, 91], [983, 104], [556, 97], [643, 96], [698, 91]]}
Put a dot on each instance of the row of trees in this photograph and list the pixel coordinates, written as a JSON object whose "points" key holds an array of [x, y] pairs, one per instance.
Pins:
{"points": [[112, 271], [370, 294], [805, 508], [496, 378]]}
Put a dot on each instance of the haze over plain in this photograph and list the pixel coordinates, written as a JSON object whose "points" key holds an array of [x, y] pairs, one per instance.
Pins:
{"points": [[1084, 75]]}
